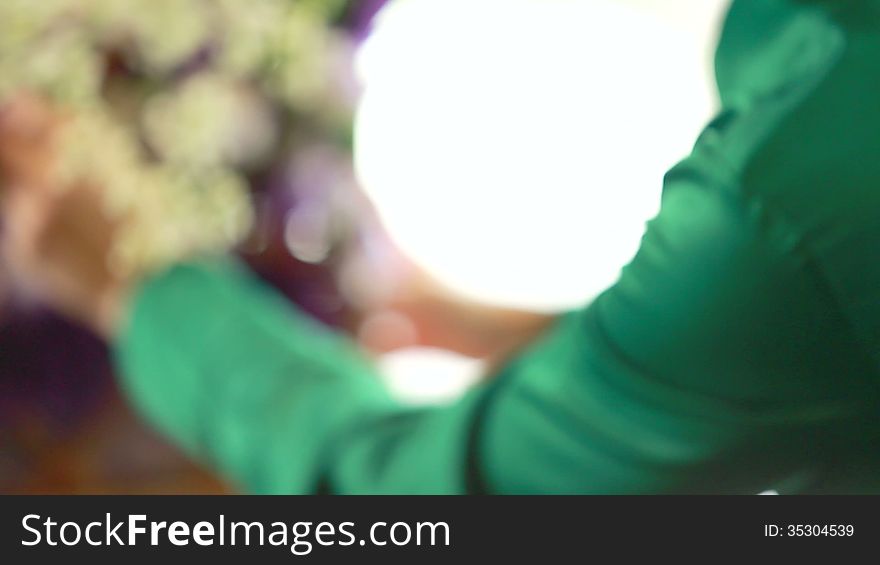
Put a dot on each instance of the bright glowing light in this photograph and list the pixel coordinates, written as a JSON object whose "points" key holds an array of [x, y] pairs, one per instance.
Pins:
{"points": [[515, 148], [424, 375]]}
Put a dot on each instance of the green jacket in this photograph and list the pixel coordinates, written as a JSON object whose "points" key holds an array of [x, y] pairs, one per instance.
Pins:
{"points": [[739, 351]]}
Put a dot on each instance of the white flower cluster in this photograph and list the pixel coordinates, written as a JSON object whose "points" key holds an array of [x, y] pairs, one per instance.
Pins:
{"points": [[166, 143]]}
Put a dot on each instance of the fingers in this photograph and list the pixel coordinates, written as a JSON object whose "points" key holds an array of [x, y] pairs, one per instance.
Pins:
{"points": [[28, 126], [25, 219]]}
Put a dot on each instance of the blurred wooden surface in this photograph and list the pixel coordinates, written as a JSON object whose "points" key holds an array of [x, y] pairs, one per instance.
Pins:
{"points": [[113, 452]]}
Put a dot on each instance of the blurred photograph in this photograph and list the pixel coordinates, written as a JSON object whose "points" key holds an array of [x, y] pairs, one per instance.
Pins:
{"points": [[439, 247]]}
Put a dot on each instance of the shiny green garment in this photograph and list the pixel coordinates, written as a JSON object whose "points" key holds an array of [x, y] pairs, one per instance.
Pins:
{"points": [[739, 350]]}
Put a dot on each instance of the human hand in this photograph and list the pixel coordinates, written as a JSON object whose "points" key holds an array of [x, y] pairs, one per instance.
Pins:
{"points": [[56, 239], [418, 310]]}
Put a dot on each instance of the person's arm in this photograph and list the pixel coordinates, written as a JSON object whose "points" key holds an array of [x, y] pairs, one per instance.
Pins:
{"points": [[721, 360], [243, 381], [704, 368]]}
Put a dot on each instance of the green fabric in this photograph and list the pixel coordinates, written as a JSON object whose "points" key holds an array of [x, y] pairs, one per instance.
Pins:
{"points": [[737, 352]]}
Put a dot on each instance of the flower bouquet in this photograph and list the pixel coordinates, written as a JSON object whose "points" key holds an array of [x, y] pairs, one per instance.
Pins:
{"points": [[172, 104]]}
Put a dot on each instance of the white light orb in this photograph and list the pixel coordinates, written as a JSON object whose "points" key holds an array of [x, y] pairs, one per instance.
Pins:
{"points": [[516, 148]]}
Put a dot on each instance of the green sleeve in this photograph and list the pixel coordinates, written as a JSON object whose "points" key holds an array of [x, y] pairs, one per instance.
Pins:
{"points": [[717, 363], [702, 369], [244, 382], [726, 358]]}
